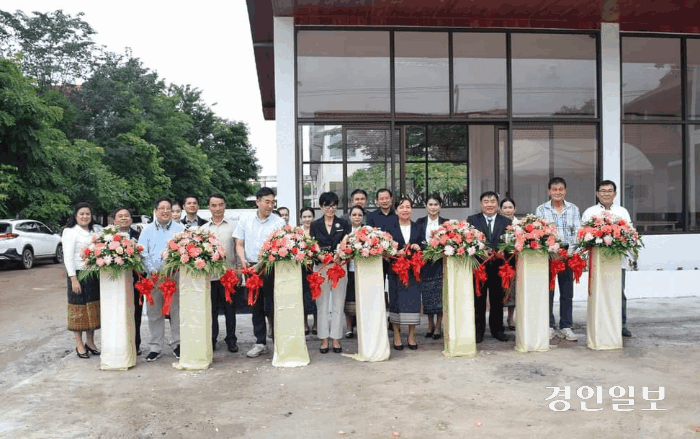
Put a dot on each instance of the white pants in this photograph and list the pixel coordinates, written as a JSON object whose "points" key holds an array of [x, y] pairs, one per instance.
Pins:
{"points": [[330, 308], [156, 320]]}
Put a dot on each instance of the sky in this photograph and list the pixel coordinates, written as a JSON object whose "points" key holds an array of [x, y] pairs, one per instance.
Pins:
{"points": [[207, 44]]}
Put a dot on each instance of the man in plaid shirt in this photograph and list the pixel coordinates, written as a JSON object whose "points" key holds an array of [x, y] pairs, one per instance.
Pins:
{"points": [[567, 218]]}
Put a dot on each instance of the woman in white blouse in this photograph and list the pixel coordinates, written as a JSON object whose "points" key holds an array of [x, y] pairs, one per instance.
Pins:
{"points": [[431, 274], [83, 296]]}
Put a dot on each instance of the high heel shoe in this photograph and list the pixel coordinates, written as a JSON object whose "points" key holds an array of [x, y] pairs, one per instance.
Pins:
{"points": [[338, 349], [83, 355], [95, 351]]}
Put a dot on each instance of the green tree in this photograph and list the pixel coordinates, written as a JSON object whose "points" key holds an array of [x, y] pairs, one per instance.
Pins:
{"points": [[56, 48]]}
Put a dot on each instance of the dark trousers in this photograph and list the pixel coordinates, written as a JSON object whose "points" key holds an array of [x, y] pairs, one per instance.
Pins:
{"points": [[138, 313], [263, 307], [624, 300], [566, 300], [495, 297], [218, 301]]}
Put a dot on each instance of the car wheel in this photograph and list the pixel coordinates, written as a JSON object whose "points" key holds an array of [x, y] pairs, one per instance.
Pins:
{"points": [[27, 258], [59, 254]]}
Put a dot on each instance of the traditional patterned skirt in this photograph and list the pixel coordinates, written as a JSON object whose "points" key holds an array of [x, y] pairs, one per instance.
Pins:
{"points": [[84, 308], [404, 301], [431, 287], [350, 295]]}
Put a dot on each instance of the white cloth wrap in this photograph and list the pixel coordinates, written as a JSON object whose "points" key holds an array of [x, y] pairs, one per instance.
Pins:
{"points": [[196, 350], [458, 309], [372, 336], [117, 321], [532, 302], [290, 341], [604, 316]]}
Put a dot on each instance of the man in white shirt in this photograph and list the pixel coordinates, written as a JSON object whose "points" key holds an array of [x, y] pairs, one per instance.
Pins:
{"points": [[223, 229], [606, 192], [251, 232], [154, 238]]}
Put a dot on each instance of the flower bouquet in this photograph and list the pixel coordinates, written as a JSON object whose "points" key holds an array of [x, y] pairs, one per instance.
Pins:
{"points": [[611, 234], [367, 242], [196, 249], [288, 244], [457, 239], [530, 233], [113, 252]]}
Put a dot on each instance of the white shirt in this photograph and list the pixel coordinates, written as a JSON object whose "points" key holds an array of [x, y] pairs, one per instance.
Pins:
{"points": [[224, 233], [74, 240], [254, 231], [406, 233], [430, 226]]}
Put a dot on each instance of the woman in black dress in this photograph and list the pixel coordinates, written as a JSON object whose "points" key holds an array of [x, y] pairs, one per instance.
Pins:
{"points": [[306, 215], [431, 276]]}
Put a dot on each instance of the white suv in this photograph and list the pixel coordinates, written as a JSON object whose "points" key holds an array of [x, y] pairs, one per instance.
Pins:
{"points": [[26, 240]]}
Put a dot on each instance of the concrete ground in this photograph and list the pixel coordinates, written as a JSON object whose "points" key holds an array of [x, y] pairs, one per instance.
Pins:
{"points": [[46, 391]]}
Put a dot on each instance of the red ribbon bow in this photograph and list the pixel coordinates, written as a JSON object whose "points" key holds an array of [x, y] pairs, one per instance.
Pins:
{"points": [[507, 274], [145, 286], [480, 277], [400, 267], [335, 273], [254, 283], [168, 288], [315, 282], [576, 264], [417, 262], [556, 266], [229, 281]]}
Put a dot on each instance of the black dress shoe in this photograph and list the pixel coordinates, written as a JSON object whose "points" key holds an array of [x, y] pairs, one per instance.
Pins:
{"points": [[92, 351], [429, 334], [324, 350], [437, 336], [338, 349], [213, 345], [233, 348], [479, 338], [413, 347], [501, 336], [84, 354], [398, 347]]}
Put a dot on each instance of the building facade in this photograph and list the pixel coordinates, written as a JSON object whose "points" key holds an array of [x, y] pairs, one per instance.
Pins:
{"points": [[459, 97]]}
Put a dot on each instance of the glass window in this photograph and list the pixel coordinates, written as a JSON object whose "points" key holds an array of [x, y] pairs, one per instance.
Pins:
{"points": [[693, 177], [321, 143], [479, 74], [693, 93], [343, 73], [652, 176], [503, 162], [370, 177], [323, 177], [651, 78], [553, 75], [541, 152], [450, 181], [422, 73]]}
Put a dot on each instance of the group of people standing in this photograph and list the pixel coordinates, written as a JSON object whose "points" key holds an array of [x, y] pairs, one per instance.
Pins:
{"points": [[334, 311]]}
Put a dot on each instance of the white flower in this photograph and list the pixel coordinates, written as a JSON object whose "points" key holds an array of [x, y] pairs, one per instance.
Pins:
{"points": [[471, 251], [608, 240], [588, 237], [385, 244], [599, 240], [119, 250], [109, 238], [449, 250], [108, 260]]}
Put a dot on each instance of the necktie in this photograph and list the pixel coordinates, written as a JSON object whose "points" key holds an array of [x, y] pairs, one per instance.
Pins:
{"points": [[488, 226]]}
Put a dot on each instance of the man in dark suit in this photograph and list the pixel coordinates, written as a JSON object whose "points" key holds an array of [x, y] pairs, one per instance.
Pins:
{"points": [[493, 226], [191, 206], [358, 197]]}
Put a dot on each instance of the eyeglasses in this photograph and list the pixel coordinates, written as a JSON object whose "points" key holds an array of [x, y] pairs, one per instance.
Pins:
{"points": [[606, 191], [330, 206], [163, 209]]}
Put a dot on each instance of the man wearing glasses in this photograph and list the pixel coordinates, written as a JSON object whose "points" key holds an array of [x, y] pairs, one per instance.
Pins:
{"points": [[606, 193], [154, 238], [250, 233]]}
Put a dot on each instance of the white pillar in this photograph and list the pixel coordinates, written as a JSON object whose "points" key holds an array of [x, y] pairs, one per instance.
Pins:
{"points": [[284, 115], [611, 109]]}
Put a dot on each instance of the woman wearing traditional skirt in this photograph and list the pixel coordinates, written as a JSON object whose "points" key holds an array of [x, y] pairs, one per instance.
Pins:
{"points": [[83, 296], [404, 301], [508, 210], [431, 275], [357, 213], [306, 215]]}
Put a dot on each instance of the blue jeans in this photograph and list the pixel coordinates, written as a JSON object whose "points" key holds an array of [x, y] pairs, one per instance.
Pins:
{"points": [[566, 296]]}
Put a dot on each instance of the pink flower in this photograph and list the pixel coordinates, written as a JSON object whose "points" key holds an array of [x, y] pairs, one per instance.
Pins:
{"points": [[365, 253], [608, 240], [118, 260], [518, 247], [98, 252], [283, 252], [271, 258], [184, 259], [300, 256], [100, 262], [200, 263]]}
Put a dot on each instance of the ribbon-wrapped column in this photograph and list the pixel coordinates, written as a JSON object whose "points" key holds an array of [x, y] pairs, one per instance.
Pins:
{"points": [[117, 321]]}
